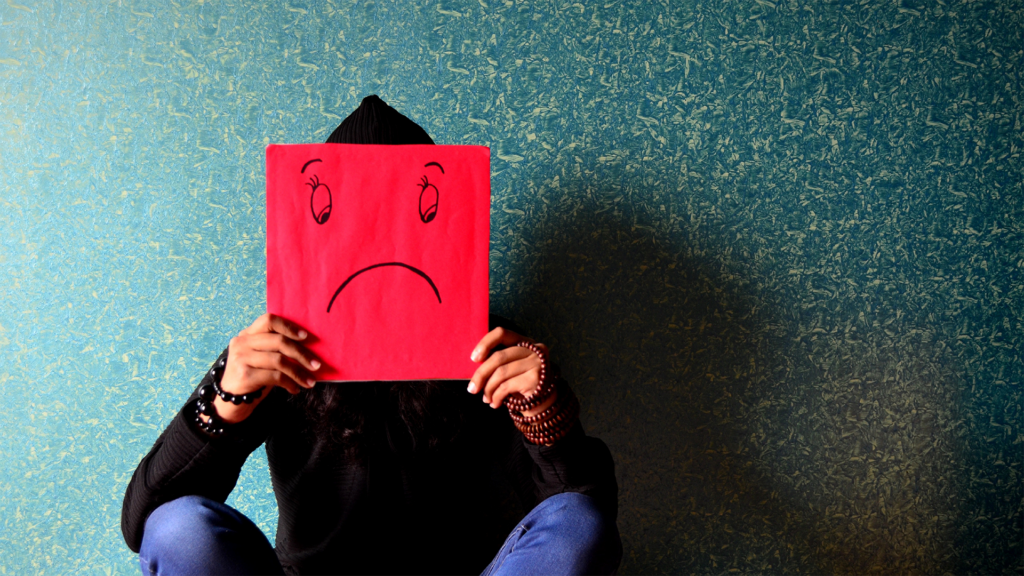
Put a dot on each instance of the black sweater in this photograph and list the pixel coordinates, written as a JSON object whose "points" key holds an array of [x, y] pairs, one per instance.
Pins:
{"points": [[399, 512]]}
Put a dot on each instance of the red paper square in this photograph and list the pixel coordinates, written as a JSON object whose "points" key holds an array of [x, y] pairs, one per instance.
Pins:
{"points": [[381, 253]]}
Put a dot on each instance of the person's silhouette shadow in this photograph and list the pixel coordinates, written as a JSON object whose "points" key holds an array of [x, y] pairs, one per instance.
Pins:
{"points": [[665, 345]]}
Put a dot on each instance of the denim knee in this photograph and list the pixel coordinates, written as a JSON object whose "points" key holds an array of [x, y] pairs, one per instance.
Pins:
{"points": [[591, 533], [179, 529], [196, 535], [574, 509]]}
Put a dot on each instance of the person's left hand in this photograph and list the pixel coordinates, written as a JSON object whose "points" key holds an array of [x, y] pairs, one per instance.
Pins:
{"points": [[514, 369]]}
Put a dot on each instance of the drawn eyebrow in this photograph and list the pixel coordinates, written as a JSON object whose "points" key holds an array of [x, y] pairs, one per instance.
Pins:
{"points": [[317, 160], [434, 164]]}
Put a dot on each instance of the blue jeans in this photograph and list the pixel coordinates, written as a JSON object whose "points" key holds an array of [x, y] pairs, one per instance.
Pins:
{"points": [[564, 534]]}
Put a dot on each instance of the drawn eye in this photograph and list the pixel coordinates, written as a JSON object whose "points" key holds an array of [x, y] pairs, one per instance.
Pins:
{"points": [[428, 200], [319, 200]]}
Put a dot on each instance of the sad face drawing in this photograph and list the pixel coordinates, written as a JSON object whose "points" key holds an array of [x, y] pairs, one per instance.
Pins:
{"points": [[381, 251], [321, 202]]}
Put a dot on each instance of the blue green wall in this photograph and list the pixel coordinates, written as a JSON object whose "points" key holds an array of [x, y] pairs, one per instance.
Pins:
{"points": [[777, 246]]}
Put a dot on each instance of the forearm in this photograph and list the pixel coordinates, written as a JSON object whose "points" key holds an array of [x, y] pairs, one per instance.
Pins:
{"points": [[571, 461], [197, 456], [184, 461], [181, 462], [576, 463]]}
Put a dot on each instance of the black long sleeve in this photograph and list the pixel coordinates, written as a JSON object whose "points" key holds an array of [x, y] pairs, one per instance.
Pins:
{"points": [[186, 461], [339, 516], [576, 463]]}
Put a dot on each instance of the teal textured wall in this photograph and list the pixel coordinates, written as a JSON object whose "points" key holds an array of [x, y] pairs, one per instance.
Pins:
{"points": [[777, 246]]}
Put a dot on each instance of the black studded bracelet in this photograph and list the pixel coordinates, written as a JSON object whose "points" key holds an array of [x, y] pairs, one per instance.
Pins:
{"points": [[216, 373], [214, 426]]}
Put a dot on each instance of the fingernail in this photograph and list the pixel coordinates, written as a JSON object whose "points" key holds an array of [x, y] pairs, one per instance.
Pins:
{"points": [[311, 382], [475, 356], [487, 400], [471, 388], [302, 334], [315, 364]]}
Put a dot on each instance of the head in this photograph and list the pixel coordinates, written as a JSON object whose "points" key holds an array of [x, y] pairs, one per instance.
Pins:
{"points": [[374, 122], [420, 415]]}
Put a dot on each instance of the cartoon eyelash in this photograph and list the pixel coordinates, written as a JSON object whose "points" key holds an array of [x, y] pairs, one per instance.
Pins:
{"points": [[430, 211], [320, 202]]}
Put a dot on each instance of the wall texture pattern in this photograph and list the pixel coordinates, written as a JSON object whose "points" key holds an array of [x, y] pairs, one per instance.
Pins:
{"points": [[777, 246]]}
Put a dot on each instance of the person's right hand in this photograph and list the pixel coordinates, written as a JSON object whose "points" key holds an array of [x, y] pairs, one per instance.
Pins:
{"points": [[264, 355]]}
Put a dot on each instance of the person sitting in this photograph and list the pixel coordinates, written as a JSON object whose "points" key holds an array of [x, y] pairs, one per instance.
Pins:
{"points": [[378, 478]]}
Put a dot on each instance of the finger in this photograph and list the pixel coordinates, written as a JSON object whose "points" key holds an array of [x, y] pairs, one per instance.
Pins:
{"points": [[281, 363], [261, 324], [524, 383], [274, 323], [484, 372], [274, 378], [493, 338], [272, 342], [287, 327], [507, 371], [245, 379]]}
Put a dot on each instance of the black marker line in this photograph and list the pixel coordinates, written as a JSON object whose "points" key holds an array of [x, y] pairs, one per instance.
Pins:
{"points": [[317, 160], [434, 164], [421, 273]]}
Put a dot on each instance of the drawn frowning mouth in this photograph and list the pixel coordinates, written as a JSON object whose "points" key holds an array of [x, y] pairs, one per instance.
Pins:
{"points": [[413, 269]]}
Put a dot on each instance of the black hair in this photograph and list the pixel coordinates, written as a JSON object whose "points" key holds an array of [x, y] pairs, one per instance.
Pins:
{"points": [[417, 417]]}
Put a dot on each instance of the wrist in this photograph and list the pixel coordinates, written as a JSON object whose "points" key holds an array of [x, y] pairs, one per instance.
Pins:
{"points": [[550, 411], [544, 406], [552, 423], [231, 413], [218, 408]]}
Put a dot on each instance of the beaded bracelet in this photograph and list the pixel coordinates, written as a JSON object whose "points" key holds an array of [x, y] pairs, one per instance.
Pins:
{"points": [[522, 420], [216, 373], [556, 420], [215, 426], [555, 429], [516, 401]]}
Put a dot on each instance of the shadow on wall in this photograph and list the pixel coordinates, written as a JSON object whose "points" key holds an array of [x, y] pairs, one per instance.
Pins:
{"points": [[663, 344], [700, 393]]}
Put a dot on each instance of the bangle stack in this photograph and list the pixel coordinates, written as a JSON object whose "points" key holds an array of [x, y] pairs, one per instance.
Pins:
{"points": [[208, 392], [556, 420]]}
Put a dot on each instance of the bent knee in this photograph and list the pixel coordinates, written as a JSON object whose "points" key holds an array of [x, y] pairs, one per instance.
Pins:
{"points": [[576, 524], [180, 515], [196, 535], [591, 526], [182, 524]]}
